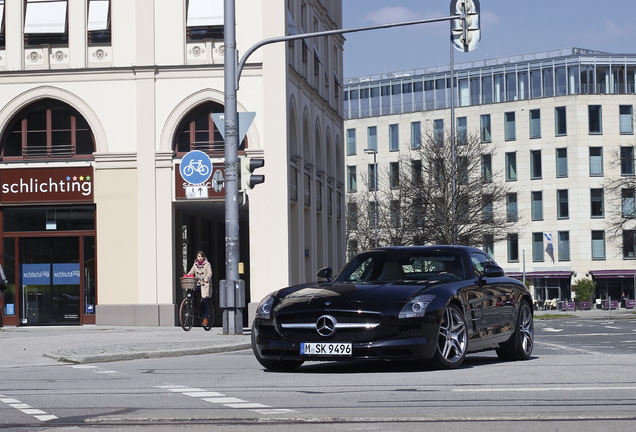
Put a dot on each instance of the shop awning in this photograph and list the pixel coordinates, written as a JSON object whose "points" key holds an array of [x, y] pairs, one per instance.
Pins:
{"points": [[542, 275], [607, 274]]}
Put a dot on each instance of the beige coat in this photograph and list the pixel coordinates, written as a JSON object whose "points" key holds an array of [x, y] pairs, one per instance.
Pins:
{"points": [[203, 273]]}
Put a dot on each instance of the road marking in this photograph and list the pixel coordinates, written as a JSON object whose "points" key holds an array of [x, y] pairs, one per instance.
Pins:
{"points": [[529, 389], [222, 399], [94, 369], [26, 408], [550, 329]]}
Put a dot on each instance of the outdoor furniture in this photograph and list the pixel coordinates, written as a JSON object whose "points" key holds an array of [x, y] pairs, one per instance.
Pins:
{"points": [[567, 306], [585, 306], [607, 304], [630, 304]]}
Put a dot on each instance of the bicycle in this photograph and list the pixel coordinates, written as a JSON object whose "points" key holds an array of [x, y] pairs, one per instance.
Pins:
{"points": [[190, 308]]}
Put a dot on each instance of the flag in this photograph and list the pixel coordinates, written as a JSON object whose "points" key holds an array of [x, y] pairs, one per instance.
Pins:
{"points": [[550, 248]]}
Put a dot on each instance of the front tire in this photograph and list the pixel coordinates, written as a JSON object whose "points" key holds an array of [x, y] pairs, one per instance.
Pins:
{"points": [[519, 346], [274, 365], [186, 314], [452, 339]]}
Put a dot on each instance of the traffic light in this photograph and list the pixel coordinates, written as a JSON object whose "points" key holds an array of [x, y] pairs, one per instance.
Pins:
{"points": [[465, 31], [248, 165]]}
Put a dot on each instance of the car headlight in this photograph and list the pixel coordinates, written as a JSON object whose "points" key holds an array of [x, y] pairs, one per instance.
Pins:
{"points": [[264, 310], [416, 307]]}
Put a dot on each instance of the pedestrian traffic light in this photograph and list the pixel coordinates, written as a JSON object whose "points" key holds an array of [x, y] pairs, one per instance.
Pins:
{"points": [[465, 31], [248, 165]]}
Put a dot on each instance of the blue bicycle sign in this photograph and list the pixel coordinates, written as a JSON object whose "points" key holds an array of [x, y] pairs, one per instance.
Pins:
{"points": [[196, 167]]}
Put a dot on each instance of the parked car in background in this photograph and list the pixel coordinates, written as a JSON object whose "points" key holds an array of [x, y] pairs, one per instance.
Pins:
{"points": [[433, 304]]}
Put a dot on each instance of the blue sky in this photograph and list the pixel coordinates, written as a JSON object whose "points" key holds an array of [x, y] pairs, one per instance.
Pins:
{"points": [[508, 27]]}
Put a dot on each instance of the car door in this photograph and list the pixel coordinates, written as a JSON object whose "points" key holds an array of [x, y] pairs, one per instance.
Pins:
{"points": [[497, 301]]}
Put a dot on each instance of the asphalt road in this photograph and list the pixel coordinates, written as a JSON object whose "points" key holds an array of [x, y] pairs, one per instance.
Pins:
{"points": [[582, 377]]}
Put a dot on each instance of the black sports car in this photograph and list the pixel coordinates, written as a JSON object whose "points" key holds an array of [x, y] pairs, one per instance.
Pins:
{"points": [[434, 303]]}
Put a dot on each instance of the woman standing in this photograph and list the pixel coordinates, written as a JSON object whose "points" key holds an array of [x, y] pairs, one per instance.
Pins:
{"points": [[202, 271]]}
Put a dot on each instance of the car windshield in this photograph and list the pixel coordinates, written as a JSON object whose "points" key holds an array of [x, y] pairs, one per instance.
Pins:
{"points": [[383, 266]]}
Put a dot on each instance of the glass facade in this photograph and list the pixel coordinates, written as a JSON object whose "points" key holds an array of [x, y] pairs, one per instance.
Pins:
{"points": [[563, 72]]}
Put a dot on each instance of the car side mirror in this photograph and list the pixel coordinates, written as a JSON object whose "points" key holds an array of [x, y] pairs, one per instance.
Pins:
{"points": [[492, 271], [325, 274]]}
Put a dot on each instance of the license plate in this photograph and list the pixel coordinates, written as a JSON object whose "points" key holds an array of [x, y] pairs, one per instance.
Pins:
{"points": [[328, 349]]}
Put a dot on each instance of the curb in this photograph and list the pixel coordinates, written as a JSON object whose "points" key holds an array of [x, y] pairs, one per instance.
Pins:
{"points": [[79, 358]]}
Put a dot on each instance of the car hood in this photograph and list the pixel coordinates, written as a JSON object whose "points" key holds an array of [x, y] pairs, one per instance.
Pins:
{"points": [[350, 296]]}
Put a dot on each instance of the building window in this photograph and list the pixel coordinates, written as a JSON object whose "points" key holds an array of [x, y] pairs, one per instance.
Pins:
{"points": [[394, 138], [537, 247], [596, 161], [98, 25], [627, 161], [537, 205], [598, 245], [535, 123], [511, 166], [629, 244], [351, 142], [626, 119], [486, 168], [416, 135], [485, 131], [352, 181], [513, 247], [352, 209], [535, 164], [512, 208], [373, 177], [597, 203], [438, 132], [372, 138], [198, 131], [47, 129], [373, 214], [394, 213], [560, 122], [394, 175], [563, 209], [628, 203], [45, 22], [462, 130], [561, 162], [205, 20], [487, 208], [510, 127], [595, 122], [564, 245], [416, 172], [489, 244]]}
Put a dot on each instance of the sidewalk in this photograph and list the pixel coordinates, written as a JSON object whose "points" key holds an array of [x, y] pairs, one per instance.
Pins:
{"points": [[592, 313], [41, 346]]}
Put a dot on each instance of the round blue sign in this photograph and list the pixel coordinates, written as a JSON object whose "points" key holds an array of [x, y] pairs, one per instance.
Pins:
{"points": [[196, 167]]}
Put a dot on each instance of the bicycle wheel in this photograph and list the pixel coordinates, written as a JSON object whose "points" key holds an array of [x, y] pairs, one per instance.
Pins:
{"points": [[210, 316], [186, 314]]}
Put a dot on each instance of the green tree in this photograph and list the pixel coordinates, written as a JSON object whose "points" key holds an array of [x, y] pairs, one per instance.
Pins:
{"points": [[584, 289]]}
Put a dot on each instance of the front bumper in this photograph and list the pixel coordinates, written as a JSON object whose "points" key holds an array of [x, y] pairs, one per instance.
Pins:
{"points": [[271, 346]]}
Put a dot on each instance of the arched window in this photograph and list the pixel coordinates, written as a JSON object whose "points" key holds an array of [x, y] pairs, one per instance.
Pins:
{"points": [[197, 131], [48, 129]]}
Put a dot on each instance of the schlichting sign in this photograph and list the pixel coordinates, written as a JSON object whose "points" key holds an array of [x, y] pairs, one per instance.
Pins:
{"points": [[36, 185]]}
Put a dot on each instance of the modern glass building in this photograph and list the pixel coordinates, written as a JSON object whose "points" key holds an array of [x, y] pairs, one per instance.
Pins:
{"points": [[562, 125]]}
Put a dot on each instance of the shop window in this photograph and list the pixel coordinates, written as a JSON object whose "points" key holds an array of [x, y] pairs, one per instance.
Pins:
{"points": [[48, 129], [205, 20], [46, 22], [198, 131], [98, 25]]}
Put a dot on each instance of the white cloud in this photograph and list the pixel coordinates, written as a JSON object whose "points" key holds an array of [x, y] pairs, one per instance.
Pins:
{"points": [[394, 14]]}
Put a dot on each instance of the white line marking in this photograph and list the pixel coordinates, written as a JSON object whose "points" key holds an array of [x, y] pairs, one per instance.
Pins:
{"points": [[26, 408], [223, 400], [247, 405], [204, 394], [273, 411]]}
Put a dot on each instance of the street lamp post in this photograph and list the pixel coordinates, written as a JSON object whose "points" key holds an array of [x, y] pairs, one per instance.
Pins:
{"points": [[376, 208]]}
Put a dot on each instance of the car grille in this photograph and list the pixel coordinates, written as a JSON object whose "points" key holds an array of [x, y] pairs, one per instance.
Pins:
{"points": [[351, 326]]}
